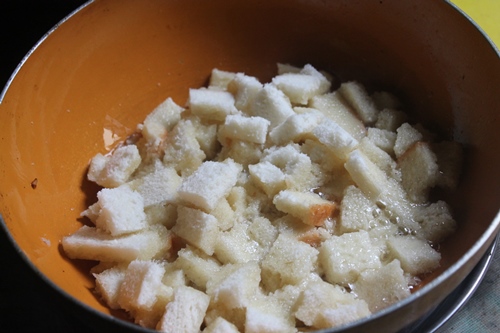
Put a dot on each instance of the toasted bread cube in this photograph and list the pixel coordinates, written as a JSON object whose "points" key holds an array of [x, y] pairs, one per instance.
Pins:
{"points": [[209, 183], [159, 186], [240, 127], [289, 261], [161, 120], [416, 255], [220, 325], [407, 135], [186, 312], [450, 160], [383, 286], [382, 138], [299, 87], [344, 257], [182, 149], [358, 98], [357, 212], [197, 228], [419, 171], [271, 104], [297, 127], [307, 206], [323, 305], [115, 169], [93, 244], [334, 106], [219, 79], [235, 286], [335, 137], [236, 246], [211, 104], [122, 211], [138, 289], [436, 220], [268, 177], [198, 266], [244, 88], [107, 285]]}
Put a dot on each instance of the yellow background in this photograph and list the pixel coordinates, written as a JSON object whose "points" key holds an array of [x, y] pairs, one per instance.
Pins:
{"points": [[486, 13]]}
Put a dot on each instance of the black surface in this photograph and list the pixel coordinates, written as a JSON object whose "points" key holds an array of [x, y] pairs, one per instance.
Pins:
{"points": [[27, 304]]}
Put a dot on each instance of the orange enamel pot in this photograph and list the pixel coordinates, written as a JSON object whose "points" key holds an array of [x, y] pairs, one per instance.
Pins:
{"points": [[95, 76]]}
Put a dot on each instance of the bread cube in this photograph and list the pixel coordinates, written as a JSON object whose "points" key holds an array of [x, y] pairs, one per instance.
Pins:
{"points": [[263, 232], [299, 87], [335, 107], [140, 284], [240, 127], [450, 160], [224, 214], [289, 261], [381, 158], [160, 213], [182, 149], [356, 95], [122, 211], [220, 325], [235, 286], [383, 286], [209, 183], [322, 155], [297, 127], [287, 68], [344, 257], [206, 135], [107, 285], [271, 104], [407, 135], [390, 119], [93, 244], [419, 171], [92, 212], [323, 305], [197, 228], [219, 79], [415, 255], [236, 246], [384, 191], [268, 177], [115, 169], [159, 186], [297, 167], [436, 221], [197, 266], [265, 319], [357, 212], [186, 312], [161, 120], [244, 89], [340, 142], [382, 138], [211, 104], [307, 206], [324, 78]]}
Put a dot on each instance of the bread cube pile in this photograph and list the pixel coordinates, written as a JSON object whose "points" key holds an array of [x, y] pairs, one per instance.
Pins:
{"points": [[288, 206]]}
